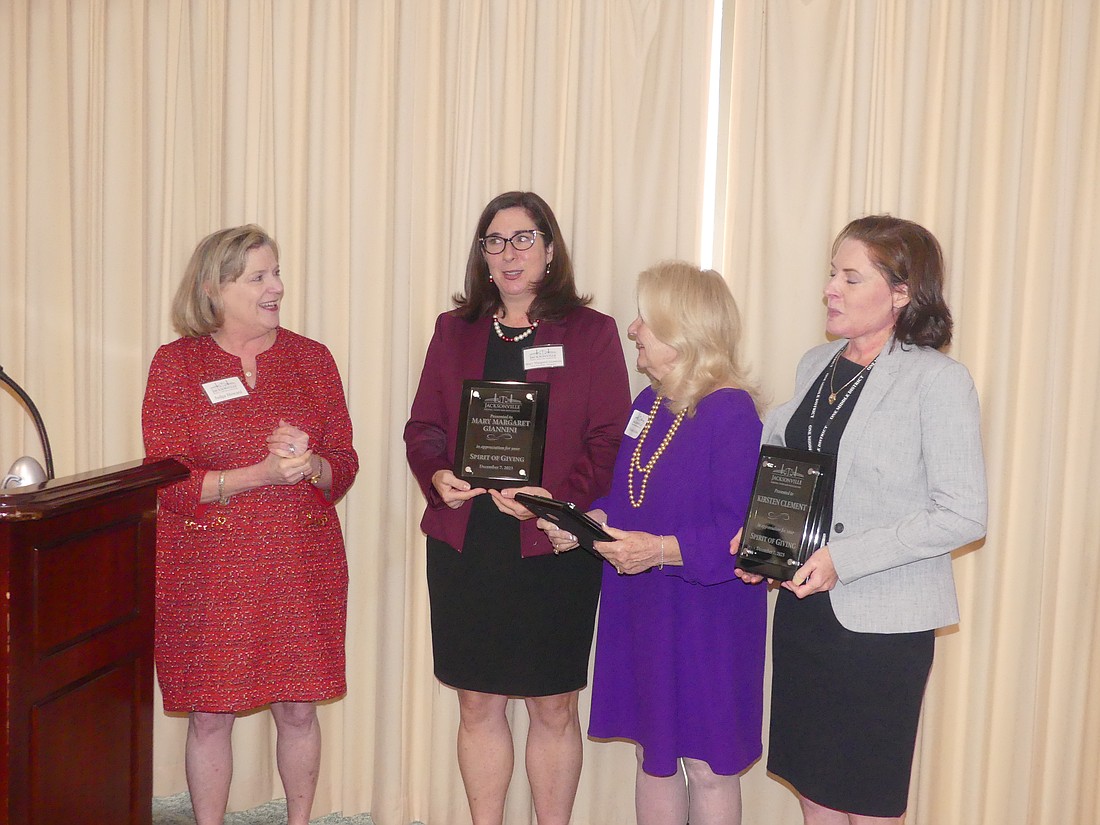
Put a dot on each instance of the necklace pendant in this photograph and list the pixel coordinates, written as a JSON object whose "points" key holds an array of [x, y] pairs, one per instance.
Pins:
{"points": [[832, 398]]}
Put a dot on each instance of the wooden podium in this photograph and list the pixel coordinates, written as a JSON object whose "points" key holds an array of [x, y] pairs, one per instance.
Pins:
{"points": [[77, 559]]}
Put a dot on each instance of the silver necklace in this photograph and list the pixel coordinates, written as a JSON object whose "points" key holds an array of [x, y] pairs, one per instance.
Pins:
{"points": [[852, 385]]}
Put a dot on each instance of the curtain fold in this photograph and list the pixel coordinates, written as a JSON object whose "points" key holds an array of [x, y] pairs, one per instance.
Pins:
{"points": [[979, 120], [366, 137]]}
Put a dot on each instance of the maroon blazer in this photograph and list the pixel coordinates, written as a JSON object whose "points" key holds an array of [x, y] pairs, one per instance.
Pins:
{"points": [[589, 402]]}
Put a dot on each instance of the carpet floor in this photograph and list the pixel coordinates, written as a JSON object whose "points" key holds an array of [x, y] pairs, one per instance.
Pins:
{"points": [[176, 810]]}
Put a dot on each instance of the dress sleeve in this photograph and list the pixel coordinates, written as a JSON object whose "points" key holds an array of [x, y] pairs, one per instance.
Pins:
{"points": [[608, 406], [425, 434], [334, 444], [166, 416], [734, 444]]}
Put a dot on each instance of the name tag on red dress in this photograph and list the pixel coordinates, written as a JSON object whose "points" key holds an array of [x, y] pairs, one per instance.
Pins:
{"points": [[224, 389]]}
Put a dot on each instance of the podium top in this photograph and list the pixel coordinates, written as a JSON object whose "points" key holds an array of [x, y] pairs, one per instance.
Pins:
{"points": [[57, 495]]}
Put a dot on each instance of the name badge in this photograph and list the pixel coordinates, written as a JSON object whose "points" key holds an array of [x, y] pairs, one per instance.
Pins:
{"points": [[549, 355], [225, 389], [636, 423]]}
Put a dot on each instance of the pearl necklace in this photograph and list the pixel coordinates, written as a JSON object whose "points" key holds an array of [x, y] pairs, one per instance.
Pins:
{"points": [[520, 337], [636, 458], [852, 385]]}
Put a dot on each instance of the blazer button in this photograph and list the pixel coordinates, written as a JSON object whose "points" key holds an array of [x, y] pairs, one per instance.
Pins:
{"points": [[838, 527]]}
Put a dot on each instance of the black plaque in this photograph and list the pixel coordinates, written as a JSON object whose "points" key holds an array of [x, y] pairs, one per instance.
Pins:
{"points": [[502, 433], [567, 516], [789, 512]]}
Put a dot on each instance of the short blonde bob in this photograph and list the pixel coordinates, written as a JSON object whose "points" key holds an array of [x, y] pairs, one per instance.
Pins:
{"points": [[219, 258], [693, 311]]}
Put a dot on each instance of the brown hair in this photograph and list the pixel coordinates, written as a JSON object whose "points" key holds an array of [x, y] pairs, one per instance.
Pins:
{"points": [[220, 257], [908, 256], [555, 295]]}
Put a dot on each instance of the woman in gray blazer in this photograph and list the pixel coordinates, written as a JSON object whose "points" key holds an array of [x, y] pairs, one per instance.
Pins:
{"points": [[853, 631]]}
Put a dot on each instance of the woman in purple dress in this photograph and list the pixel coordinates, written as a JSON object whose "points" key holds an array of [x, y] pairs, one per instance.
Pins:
{"points": [[680, 646]]}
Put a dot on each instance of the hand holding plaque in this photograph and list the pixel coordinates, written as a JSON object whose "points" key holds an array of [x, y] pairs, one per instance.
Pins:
{"points": [[788, 518], [502, 433], [565, 515]]}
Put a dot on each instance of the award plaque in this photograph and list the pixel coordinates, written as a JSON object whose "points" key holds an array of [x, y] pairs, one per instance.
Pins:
{"points": [[568, 517], [501, 433], [789, 512]]}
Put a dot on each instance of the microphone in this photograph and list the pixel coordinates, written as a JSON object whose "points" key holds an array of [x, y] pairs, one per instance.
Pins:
{"points": [[26, 470]]}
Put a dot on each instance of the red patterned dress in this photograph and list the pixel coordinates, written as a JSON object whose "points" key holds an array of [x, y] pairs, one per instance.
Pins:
{"points": [[251, 596]]}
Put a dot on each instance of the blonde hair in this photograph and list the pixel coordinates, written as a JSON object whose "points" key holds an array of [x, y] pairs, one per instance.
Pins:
{"points": [[693, 311], [219, 258]]}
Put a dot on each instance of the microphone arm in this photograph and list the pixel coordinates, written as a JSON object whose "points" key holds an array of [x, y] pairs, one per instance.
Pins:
{"points": [[38, 423]]}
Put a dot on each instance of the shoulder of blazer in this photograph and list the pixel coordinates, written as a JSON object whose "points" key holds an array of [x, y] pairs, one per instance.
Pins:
{"points": [[451, 325], [452, 320], [582, 321], [580, 318], [814, 361], [922, 361]]}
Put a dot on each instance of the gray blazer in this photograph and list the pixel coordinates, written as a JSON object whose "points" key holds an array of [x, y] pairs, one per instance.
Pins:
{"points": [[910, 487]]}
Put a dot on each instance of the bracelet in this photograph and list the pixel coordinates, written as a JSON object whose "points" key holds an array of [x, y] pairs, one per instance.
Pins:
{"points": [[223, 499], [313, 479], [661, 563]]}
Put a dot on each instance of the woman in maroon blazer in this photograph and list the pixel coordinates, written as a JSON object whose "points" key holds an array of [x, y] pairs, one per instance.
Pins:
{"points": [[509, 617]]}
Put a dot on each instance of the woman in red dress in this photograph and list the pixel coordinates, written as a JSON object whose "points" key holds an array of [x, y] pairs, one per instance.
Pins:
{"points": [[251, 573]]}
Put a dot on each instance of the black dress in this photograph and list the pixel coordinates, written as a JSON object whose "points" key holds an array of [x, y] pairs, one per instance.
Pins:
{"points": [[501, 623], [845, 705]]}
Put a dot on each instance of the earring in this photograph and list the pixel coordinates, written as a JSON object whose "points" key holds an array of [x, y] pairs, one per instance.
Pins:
{"points": [[547, 267], [490, 277]]}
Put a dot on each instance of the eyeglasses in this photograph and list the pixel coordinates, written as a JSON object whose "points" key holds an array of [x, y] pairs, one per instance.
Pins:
{"points": [[521, 241]]}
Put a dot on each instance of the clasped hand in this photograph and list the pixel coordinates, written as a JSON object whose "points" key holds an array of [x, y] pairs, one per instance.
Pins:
{"points": [[289, 459]]}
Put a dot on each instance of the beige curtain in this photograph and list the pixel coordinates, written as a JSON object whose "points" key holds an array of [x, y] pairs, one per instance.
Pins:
{"points": [[368, 135], [982, 121]]}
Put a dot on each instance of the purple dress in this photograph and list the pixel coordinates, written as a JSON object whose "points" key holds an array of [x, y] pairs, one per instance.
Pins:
{"points": [[680, 651]]}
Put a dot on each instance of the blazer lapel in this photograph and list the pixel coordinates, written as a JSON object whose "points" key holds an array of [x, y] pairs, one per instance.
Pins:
{"points": [[808, 375], [877, 385], [548, 333], [475, 346]]}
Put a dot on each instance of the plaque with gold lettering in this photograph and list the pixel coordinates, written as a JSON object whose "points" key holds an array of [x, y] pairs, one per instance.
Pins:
{"points": [[502, 433], [789, 512]]}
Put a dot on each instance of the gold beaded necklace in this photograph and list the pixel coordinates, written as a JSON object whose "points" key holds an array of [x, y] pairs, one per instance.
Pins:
{"points": [[636, 458]]}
